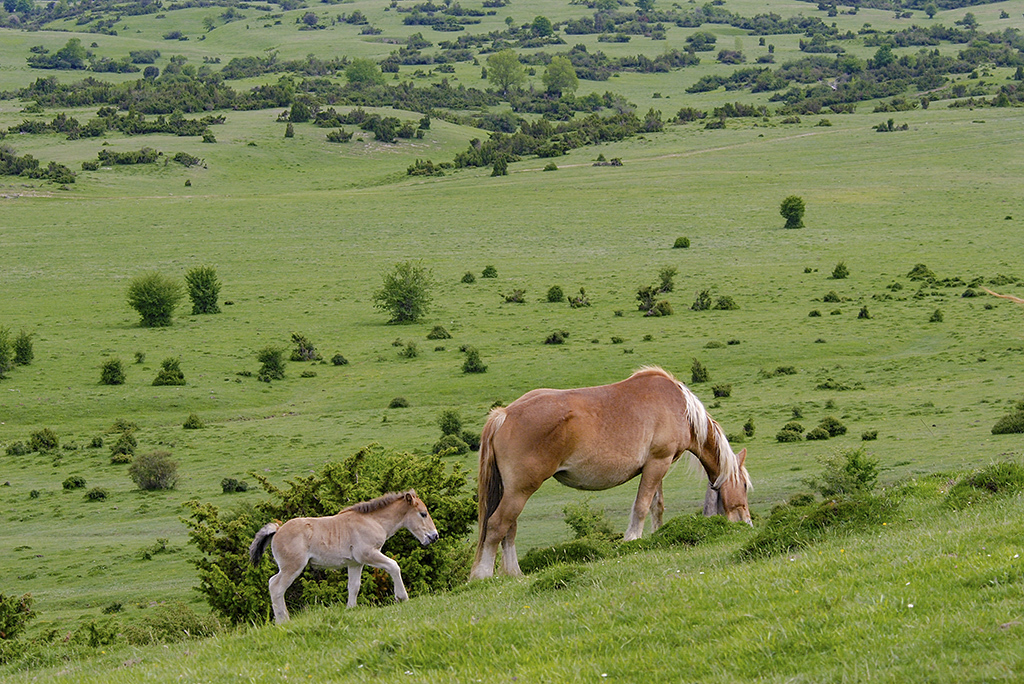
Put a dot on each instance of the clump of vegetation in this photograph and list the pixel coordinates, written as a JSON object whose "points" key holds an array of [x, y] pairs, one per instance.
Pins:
{"points": [[438, 332], [468, 278], [112, 372], [473, 363], [123, 450], [193, 422], [17, 448], [555, 294], [869, 435], [410, 350], [748, 427], [43, 440], [238, 592], [702, 301], [517, 296], [832, 297], [790, 432], [999, 479], [833, 426], [936, 316], [580, 300], [1011, 423], [398, 402], [557, 337], [792, 209], [450, 445], [406, 292], [725, 303], [203, 289], [489, 272], [22, 346], [96, 494], [169, 373], [154, 470], [73, 482], [681, 243], [304, 349], [864, 313], [840, 271], [921, 272], [230, 485], [154, 297], [851, 473], [6, 352], [557, 578], [722, 390], [272, 360], [15, 613], [698, 372], [339, 360]]}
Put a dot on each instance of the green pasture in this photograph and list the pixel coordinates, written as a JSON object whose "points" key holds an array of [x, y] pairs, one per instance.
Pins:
{"points": [[300, 232]]}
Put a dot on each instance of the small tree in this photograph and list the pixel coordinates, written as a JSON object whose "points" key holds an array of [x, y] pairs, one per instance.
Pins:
{"points": [[272, 359], [840, 272], [170, 373], [505, 71], [698, 372], [363, 71], [154, 297], [555, 294], [666, 276], [203, 289], [473, 364], [6, 352], [154, 470], [405, 293], [23, 353], [450, 422], [112, 373], [560, 76], [792, 209]]}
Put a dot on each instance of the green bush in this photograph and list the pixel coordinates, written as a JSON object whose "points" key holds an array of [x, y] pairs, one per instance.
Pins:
{"points": [[339, 360], [6, 352], [450, 422], [230, 485], [840, 271], [17, 449], [702, 302], [438, 332], [203, 289], [557, 578], [124, 446], [238, 592], [869, 435], [112, 373], [850, 473], [999, 479], [74, 482], [792, 209], [936, 316], [43, 440], [14, 615], [22, 347], [681, 243], [555, 294], [471, 438], [833, 426], [586, 521], [398, 402], [698, 372], [406, 292], [169, 623], [832, 297], [468, 277], [473, 364], [304, 349], [517, 296], [193, 422], [272, 360], [169, 373], [557, 337], [154, 297], [154, 470], [818, 433], [725, 304], [409, 351], [96, 494], [489, 272], [576, 551], [921, 272], [579, 301], [814, 314], [723, 390], [863, 313], [748, 427], [1011, 423], [789, 436], [450, 445]]}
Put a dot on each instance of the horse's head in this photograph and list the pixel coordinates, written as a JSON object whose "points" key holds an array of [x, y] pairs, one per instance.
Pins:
{"points": [[418, 521], [729, 497]]}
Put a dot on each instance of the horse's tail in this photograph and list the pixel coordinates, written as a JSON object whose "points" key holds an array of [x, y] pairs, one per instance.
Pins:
{"points": [[489, 485], [259, 544]]}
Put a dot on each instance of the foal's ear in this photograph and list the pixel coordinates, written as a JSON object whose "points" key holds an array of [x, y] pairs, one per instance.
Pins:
{"points": [[742, 456], [409, 495]]}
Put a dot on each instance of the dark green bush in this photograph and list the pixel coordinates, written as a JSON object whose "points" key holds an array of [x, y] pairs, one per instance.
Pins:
{"points": [[123, 449], [112, 373], [557, 578], [154, 470], [96, 494], [203, 289], [814, 314], [22, 347], [681, 243], [14, 615], [517, 296], [698, 372], [438, 332], [832, 297], [723, 390], [339, 360], [489, 272], [869, 435], [840, 271], [789, 436], [43, 440], [74, 482], [936, 316], [586, 521], [702, 302], [851, 473], [557, 337], [6, 352], [169, 373], [239, 593], [450, 445], [575, 551], [193, 422], [580, 300], [468, 277], [863, 313], [833, 426], [169, 623], [725, 304], [921, 272], [748, 427], [399, 402], [272, 360], [154, 297], [473, 364], [555, 294], [304, 349], [818, 433], [409, 351], [450, 422], [17, 449], [230, 485]]}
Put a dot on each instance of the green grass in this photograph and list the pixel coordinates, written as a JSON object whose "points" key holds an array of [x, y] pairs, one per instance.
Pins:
{"points": [[300, 232]]}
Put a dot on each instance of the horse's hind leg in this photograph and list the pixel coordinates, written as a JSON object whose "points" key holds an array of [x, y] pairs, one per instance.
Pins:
{"points": [[279, 584], [501, 529], [509, 558], [657, 508], [355, 576]]}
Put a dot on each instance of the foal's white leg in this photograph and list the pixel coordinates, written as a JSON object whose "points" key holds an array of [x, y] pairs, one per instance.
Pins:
{"points": [[355, 576], [279, 584], [377, 559]]}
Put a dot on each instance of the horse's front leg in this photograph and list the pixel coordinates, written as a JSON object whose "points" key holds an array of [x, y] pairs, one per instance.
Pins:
{"points": [[355, 576], [377, 559], [650, 483]]}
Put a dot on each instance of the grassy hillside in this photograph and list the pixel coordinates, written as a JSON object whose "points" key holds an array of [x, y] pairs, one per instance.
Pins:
{"points": [[301, 230]]}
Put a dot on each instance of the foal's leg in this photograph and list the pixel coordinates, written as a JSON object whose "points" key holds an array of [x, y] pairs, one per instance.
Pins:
{"points": [[650, 481], [355, 576], [279, 583], [376, 559]]}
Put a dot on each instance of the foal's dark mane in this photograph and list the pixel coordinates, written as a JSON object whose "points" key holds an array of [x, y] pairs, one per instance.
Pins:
{"points": [[380, 502]]}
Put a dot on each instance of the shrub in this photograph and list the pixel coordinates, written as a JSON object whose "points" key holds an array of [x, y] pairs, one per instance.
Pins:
{"points": [[154, 470], [238, 592], [666, 276], [702, 302], [154, 297], [22, 346], [405, 293], [748, 427], [517, 296], [698, 373], [831, 297], [851, 473], [6, 352], [579, 301], [586, 521], [450, 422], [112, 373], [304, 349], [409, 351], [399, 402], [471, 438], [339, 360], [169, 373], [230, 485], [1011, 423], [792, 209], [722, 391], [123, 449], [43, 440], [789, 436], [473, 364], [73, 482], [17, 449], [661, 308], [557, 337], [864, 313], [817, 433], [203, 289], [551, 166], [681, 243], [576, 551], [450, 445], [725, 304], [272, 360], [869, 435], [168, 623], [489, 272], [557, 578], [814, 314], [96, 494], [438, 332], [921, 272], [833, 426], [555, 294], [936, 316], [1006, 478], [193, 422], [468, 277], [840, 271], [14, 615]]}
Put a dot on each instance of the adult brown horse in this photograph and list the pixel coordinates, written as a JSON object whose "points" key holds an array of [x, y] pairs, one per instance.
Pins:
{"points": [[596, 438]]}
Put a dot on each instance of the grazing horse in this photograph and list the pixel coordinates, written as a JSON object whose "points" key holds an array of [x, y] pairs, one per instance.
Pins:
{"points": [[352, 538], [596, 438]]}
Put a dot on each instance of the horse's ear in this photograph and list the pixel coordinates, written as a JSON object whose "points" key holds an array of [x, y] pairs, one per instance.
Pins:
{"points": [[742, 456], [409, 495]]}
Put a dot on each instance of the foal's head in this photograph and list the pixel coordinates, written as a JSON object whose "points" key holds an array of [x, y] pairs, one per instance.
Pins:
{"points": [[731, 493], [417, 520]]}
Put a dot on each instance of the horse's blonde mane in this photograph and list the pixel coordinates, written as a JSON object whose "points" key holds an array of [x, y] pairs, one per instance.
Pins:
{"points": [[705, 429], [380, 502]]}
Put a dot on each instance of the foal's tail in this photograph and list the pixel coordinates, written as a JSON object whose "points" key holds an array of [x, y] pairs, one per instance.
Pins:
{"points": [[489, 485], [259, 544]]}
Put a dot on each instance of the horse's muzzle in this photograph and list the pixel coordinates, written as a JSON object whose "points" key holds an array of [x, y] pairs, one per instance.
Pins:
{"points": [[430, 538]]}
